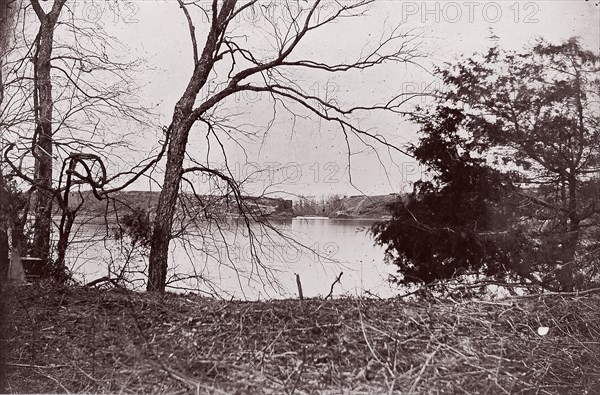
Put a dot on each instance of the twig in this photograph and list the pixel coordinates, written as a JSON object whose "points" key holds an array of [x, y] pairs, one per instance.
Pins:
{"points": [[24, 365], [427, 361], [574, 293], [337, 280], [85, 374], [302, 366], [373, 352], [392, 386], [56, 381], [366, 291], [186, 380]]}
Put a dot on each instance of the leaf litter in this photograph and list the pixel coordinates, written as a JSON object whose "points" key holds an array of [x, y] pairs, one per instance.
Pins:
{"points": [[63, 339]]}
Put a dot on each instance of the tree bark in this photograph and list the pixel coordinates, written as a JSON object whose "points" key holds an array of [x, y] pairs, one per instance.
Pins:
{"points": [[43, 132], [179, 130], [66, 222], [567, 279], [4, 22], [167, 201], [1, 76], [161, 234], [4, 262]]}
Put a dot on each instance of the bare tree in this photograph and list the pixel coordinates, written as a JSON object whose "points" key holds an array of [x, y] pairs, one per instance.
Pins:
{"points": [[7, 9], [6, 21], [44, 108], [287, 24], [55, 89]]}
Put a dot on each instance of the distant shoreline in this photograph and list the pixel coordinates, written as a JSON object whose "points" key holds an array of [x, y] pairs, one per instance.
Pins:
{"points": [[99, 219], [313, 218], [375, 208]]}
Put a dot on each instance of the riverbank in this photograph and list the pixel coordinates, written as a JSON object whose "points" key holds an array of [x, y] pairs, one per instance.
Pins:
{"points": [[62, 339], [348, 207]]}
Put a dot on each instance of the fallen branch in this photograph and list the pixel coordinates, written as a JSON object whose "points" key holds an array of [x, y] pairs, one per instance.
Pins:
{"points": [[102, 280], [24, 365], [574, 293]]}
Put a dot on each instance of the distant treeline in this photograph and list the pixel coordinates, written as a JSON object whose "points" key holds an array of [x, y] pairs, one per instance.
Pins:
{"points": [[337, 206], [333, 206], [123, 202]]}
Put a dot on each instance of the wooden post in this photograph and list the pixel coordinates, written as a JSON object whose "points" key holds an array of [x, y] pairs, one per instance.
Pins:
{"points": [[299, 287]]}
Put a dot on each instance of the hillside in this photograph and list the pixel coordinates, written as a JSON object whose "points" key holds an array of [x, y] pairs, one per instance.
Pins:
{"points": [[346, 207], [372, 207], [363, 207], [122, 202]]}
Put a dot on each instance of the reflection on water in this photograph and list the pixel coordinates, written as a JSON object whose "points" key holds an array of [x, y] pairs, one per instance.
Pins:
{"points": [[316, 249]]}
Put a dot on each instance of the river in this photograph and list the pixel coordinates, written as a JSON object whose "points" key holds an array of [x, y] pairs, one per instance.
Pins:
{"points": [[321, 249]]}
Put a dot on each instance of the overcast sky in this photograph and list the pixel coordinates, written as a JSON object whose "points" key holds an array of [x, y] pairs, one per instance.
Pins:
{"points": [[309, 157]]}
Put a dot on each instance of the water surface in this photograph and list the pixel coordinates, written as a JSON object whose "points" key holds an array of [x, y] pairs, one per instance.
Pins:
{"points": [[317, 249]]}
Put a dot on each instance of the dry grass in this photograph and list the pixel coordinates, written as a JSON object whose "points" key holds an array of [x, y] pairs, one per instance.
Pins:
{"points": [[64, 339]]}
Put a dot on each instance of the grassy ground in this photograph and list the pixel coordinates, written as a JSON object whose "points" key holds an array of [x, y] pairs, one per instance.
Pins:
{"points": [[62, 339]]}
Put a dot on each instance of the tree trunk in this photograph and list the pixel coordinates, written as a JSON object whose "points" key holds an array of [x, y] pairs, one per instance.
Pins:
{"points": [[43, 132], [167, 201], [66, 221], [566, 276], [6, 20], [184, 117], [43, 147], [4, 262], [1, 77], [179, 130]]}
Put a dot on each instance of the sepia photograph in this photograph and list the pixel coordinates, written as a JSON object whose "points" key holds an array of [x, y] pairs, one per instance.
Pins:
{"points": [[300, 197]]}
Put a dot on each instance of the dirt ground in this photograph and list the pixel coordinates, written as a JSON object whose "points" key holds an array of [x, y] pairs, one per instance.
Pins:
{"points": [[62, 339]]}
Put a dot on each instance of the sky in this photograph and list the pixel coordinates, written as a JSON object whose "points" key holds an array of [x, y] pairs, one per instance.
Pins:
{"points": [[308, 156]]}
